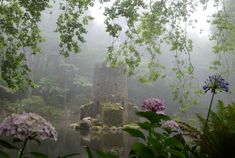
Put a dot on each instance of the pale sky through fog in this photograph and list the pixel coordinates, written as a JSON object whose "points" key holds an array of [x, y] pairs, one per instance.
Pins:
{"points": [[200, 15]]}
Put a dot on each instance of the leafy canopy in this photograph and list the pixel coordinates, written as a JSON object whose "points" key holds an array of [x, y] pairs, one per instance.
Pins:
{"points": [[148, 25]]}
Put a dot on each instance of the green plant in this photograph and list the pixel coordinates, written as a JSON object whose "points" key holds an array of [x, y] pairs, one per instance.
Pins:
{"points": [[162, 139], [215, 84], [30, 104], [219, 141], [99, 154]]}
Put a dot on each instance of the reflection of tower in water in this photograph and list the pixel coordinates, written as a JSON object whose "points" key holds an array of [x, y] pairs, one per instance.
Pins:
{"points": [[118, 143]]}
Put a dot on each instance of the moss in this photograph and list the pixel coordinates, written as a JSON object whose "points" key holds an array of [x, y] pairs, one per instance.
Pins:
{"points": [[131, 125], [113, 117], [96, 129], [111, 106]]}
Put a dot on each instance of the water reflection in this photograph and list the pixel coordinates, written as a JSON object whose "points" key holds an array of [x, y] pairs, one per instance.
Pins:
{"points": [[118, 142], [70, 141]]}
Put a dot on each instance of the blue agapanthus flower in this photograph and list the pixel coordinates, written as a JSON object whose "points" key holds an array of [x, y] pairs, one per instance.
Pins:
{"points": [[216, 83]]}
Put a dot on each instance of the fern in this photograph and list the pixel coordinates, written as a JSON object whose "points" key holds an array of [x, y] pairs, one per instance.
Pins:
{"points": [[189, 131], [201, 120], [219, 141]]}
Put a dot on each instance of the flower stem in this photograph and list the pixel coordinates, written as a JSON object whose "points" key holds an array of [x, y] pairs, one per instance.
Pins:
{"points": [[209, 110], [150, 135], [23, 148]]}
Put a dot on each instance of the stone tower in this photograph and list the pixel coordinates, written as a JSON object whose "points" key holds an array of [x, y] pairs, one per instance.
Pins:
{"points": [[110, 84], [110, 102]]}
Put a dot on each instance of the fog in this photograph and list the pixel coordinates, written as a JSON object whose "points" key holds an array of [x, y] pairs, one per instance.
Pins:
{"points": [[80, 66], [66, 84]]}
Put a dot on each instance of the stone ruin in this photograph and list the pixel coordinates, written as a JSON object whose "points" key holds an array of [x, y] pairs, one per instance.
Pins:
{"points": [[110, 105], [109, 84]]}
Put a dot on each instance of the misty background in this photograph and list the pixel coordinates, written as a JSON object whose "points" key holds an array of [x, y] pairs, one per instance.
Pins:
{"points": [[65, 84], [75, 73]]}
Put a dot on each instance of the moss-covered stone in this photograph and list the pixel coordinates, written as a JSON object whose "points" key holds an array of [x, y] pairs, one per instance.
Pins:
{"points": [[130, 113], [107, 106], [112, 114], [89, 110]]}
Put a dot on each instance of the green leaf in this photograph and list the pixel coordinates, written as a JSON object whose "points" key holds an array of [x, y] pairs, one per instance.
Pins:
{"points": [[104, 155], [145, 125], [7, 145], [39, 155], [17, 140], [4, 154], [153, 117], [89, 152], [174, 142], [36, 140], [69, 155], [132, 154], [142, 150], [155, 143], [134, 133], [177, 153]]}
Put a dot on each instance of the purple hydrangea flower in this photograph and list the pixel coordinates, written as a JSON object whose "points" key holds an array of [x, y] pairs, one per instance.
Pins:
{"points": [[215, 83], [27, 125], [155, 105], [171, 125]]}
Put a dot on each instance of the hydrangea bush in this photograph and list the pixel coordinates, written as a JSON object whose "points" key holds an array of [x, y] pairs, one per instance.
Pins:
{"points": [[158, 132], [155, 105], [171, 125], [27, 125], [23, 128]]}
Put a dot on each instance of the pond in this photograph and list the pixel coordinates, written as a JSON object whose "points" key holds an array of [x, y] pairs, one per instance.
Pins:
{"points": [[71, 141]]}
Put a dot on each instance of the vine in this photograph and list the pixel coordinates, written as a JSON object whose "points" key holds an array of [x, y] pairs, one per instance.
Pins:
{"points": [[142, 32]]}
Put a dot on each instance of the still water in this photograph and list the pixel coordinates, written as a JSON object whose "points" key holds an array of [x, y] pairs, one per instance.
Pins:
{"points": [[71, 141]]}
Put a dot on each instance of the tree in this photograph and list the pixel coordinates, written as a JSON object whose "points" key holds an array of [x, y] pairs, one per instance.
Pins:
{"points": [[148, 25]]}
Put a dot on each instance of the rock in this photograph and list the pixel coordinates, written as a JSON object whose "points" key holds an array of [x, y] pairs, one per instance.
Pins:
{"points": [[119, 129], [85, 123], [74, 126], [113, 129], [96, 129], [105, 129], [96, 122]]}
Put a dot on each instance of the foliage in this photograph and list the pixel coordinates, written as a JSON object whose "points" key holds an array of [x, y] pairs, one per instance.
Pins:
{"points": [[31, 104], [159, 141], [219, 141], [71, 25], [99, 154], [152, 25], [81, 81], [223, 36], [148, 25], [20, 34], [48, 85]]}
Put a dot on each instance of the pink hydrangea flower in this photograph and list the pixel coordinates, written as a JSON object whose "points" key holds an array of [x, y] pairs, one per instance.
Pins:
{"points": [[26, 125], [155, 105], [171, 125]]}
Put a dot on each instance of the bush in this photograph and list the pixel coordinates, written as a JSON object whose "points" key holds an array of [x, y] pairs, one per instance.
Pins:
{"points": [[31, 104]]}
